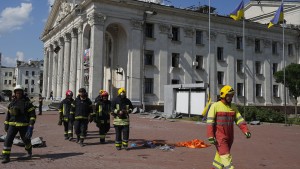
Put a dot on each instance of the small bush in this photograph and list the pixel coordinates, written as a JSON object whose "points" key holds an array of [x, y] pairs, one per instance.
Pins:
{"points": [[261, 114]]}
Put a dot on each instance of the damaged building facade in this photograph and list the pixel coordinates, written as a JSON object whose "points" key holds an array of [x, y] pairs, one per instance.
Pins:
{"points": [[143, 46]]}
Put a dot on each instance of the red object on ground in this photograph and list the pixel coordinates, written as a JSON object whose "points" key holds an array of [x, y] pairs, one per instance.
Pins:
{"points": [[196, 143]]}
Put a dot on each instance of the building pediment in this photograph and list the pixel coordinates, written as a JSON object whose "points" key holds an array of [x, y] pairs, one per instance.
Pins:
{"points": [[59, 10]]}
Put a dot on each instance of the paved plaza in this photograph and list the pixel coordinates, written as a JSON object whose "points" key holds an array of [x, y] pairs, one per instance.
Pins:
{"points": [[272, 146]]}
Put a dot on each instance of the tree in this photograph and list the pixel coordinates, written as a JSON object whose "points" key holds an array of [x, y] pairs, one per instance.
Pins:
{"points": [[292, 80]]}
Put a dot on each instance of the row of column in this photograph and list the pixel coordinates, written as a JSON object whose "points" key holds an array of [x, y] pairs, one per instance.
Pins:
{"points": [[63, 67]]}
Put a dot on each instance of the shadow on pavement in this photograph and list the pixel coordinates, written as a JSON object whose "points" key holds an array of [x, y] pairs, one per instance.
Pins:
{"points": [[58, 155]]}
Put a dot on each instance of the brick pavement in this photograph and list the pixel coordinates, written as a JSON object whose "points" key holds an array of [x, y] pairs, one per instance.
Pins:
{"points": [[272, 146]]}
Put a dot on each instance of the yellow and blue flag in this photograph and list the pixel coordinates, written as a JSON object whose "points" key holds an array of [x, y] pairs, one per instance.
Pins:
{"points": [[238, 13], [278, 17]]}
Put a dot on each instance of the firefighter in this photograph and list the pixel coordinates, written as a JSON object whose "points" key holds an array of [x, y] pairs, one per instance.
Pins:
{"points": [[220, 121], [81, 109], [102, 115], [20, 118], [99, 97], [121, 107], [64, 115]]}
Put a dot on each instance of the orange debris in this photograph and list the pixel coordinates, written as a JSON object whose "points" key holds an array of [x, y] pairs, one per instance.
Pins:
{"points": [[196, 143]]}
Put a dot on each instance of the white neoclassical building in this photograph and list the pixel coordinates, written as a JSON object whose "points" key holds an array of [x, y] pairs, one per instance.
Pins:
{"points": [[143, 46]]}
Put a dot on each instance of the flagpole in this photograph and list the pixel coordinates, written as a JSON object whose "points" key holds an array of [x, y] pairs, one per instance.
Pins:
{"points": [[284, 64], [244, 66], [209, 59]]}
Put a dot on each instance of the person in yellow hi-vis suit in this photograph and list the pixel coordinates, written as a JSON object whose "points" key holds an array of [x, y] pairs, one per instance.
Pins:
{"points": [[221, 117]]}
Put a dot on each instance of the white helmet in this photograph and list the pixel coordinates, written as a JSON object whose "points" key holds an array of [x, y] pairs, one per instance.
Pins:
{"points": [[18, 87]]}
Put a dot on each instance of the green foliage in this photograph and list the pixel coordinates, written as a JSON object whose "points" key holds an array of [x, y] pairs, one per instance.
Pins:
{"points": [[261, 114], [292, 78]]}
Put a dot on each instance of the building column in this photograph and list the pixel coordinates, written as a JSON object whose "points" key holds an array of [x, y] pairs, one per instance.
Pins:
{"points": [[79, 73], [72, 83], [45, 72], [96, 20], [66, 67], [54, 75], [60, 69], [135, 63], [49, 72]]}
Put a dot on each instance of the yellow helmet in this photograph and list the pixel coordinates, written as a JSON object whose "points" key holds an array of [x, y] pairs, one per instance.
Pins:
{"points": [[121, 90], [101, 91], [226, 90]]}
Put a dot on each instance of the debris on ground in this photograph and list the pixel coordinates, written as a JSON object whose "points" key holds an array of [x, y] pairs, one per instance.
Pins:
{"points": [[154, 114], [255, 122], [35, 142], [166, 148], [196, 143]]}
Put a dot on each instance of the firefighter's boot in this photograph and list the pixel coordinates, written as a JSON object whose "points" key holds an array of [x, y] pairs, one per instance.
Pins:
{"points": [[81, 143], [5, 158], [77, 139], [102, 140], [66, 136], [29, 151]]}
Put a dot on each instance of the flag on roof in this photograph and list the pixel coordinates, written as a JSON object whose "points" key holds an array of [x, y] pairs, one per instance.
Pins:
{"points": [[278, 17], [238, 13]]}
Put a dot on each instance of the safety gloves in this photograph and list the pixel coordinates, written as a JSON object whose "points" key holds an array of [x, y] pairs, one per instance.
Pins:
{"points": [[248, 134], [212, 140], [28, 134]]}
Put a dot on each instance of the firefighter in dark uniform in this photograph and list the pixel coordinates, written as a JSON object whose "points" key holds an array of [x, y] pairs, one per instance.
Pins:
{"points": [[102, 115], [121, 107], [20, 118], [99, 97], [64, 115], [80, 111]]}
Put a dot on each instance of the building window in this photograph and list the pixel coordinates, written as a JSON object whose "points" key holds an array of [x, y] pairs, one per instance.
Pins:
{"points": [[290, 50], [5, 81], [27, 73], [257, 45], [32, 73], [274, 48], [199, 62], [149, 30], [9, 82], [175, 81], [275, 91], [199, 37], [149, 56], [175, 59], [175, 33], [25, 90], [239, 42], [220, 78], [275, 67], [31, 90], [148, 85], [10, 74], [26, 81], [258, 92], [220, 54], [258, 68], [239, 66], [240, 89], [198, 81], [32, 82], [6, 73]]}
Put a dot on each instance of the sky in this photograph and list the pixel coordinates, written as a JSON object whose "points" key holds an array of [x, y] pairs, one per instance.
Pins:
{"points": [[22, 23]]}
